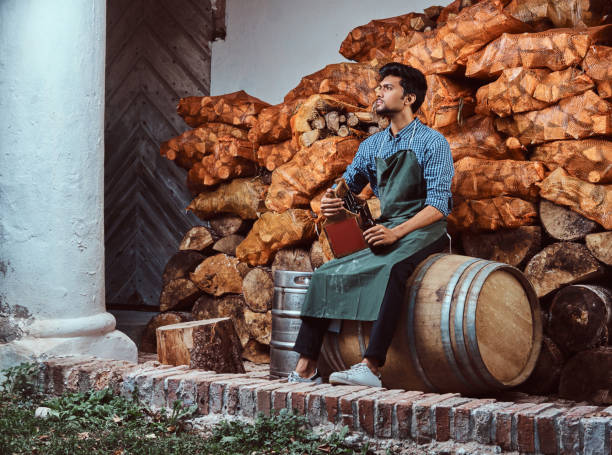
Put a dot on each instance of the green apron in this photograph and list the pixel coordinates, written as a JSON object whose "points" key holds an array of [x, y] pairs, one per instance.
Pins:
{"points": [[353, 287]]}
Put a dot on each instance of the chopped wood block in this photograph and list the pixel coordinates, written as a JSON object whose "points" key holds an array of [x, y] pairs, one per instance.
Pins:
{"points": [[228, 244], [229, 224], [256, 352], [354, 81], [296, 259], [600, 245], [446, 102], [560, 264], [178, 294], [477, 138], [481, 179], [208, 345], [294, 183], [562, 223], [575, 117], [227, 306], [198, 238], [274, 155], [545, 376], [579, 317], [273, 124], [317, 255], [513, 246], [591, 201], [237, 108], [523, 89], [554, 49], [220, 274], [586, 376], [502, 212], [587, 159], [274, 231], [181, 264], [241, 197], [258, 289], [260, 325], [148, 341]]}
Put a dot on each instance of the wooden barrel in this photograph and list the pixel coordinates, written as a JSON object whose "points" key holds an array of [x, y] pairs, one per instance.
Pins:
{"points": [[467, 325]]}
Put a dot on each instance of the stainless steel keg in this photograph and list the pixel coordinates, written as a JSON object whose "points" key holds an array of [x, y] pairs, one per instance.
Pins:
{"points": [[289, 291]]}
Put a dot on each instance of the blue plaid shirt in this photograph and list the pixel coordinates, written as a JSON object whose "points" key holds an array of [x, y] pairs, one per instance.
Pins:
{"points": [[432, 152]]}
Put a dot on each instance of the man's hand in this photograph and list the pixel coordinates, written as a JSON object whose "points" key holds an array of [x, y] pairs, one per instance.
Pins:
{"points": [[330, 204], [379, 235]]}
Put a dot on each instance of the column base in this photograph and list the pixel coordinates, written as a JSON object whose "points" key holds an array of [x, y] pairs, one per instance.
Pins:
{"points": [[112, 345]]}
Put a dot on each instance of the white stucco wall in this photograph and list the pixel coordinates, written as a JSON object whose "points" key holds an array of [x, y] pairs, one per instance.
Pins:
{"points": [[271, 44]]}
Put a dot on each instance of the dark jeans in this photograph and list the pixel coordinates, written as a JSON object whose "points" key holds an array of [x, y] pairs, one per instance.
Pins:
{"points": [[311, 334]]}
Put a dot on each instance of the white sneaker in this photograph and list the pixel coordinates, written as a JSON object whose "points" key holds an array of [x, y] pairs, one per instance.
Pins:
{"points": [[294, 377], [359, 374]]}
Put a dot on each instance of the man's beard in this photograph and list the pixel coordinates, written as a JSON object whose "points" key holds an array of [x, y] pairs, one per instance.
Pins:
{"points": [[386, 112]]}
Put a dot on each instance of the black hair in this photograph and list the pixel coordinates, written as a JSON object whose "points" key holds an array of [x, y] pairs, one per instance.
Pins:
{"points": [[412, 80]]}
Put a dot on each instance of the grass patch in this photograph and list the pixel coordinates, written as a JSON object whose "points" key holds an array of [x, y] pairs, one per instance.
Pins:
{"points": [[100, 422]]}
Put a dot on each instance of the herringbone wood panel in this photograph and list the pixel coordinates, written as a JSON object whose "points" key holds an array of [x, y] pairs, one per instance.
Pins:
{"points": [[157, 51]]}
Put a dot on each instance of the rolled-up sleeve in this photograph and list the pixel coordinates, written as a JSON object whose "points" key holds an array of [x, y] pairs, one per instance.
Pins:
{"points": [[438, 172], [356, 174]]}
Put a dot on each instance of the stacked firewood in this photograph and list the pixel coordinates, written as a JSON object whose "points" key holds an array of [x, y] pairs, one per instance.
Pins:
{"points": [[521, 90]]}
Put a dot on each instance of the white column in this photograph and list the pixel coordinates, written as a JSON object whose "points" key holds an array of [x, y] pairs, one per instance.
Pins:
{"points": [[51, 182]]}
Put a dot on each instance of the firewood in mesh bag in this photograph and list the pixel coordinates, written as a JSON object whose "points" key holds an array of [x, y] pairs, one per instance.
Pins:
{"points": [[447, 101], [598, 65], [502, 212]]}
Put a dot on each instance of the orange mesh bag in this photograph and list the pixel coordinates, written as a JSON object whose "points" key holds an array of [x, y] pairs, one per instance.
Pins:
{"points": [[560, 13], [445, 102], [227, 148], [554, 49], [572, 118], [501, 212], [295, 183], [379, 35], [477, 137], [533, 12], [598, 65], [591, 201], [237, 108], [272, 156], [449, 45], [482, 179], [191, 146], [522, 90], [587, 159], [273, 123], [274, 231], [210, 171], [355, 81]]}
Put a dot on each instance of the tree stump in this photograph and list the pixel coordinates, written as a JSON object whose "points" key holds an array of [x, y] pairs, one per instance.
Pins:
{"points": [[587, 376], [181, 264], [209, 345], [179, 294], [258, 289], [227, 306], [148, 342], [198, 238], [562, 223], [514, 247]]}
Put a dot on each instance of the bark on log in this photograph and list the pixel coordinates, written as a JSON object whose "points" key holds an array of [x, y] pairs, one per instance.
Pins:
{"points": [[274, 231], [208, 345], [178, 294], [256, 352], [260, 325], [562, 223], [580, 317], [560, 264], [591, 201], [555, 49], [477, 138], [227, 306], [514, 247], [294, 183], [220, 274], [354, 81], [274, 155], [258, 289], [229, 224], [273, 123], [237, 108], [482, 179], [600, 245], [501, 212], [181, 264], [545, 377], [296, 259], [587, 159], [576, 117], [148, 343], [446, 102], [198, 238], [586, 376], [241, 197], [522, 90], [227, 245]]}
